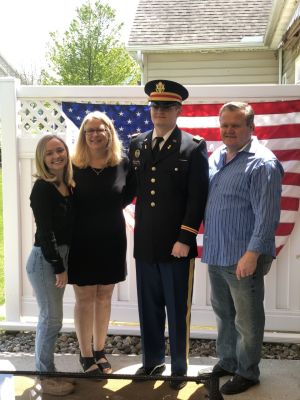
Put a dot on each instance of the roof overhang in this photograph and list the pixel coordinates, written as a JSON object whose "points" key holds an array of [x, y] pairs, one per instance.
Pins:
{"points": [[217, 47], [7, 68], [280, 17]]}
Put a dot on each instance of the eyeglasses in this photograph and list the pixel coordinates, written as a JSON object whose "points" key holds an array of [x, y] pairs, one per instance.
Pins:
{"points": [[98, 131]]}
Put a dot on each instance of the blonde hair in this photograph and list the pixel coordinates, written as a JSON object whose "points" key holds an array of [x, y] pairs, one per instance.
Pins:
{"points": [[42, 171], [81, 157]]}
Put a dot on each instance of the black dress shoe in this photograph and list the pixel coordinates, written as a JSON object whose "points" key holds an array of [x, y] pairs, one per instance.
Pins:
{"points": [[219, 371], [177, 385], [237, 384], [156, 370]]}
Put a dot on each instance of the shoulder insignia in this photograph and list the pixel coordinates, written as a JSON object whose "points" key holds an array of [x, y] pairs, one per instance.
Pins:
{"points": [[197, 138]]}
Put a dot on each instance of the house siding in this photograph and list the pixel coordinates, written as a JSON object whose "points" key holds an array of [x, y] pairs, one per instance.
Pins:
{"points": [[218, 67], [289, 59], [291, 51]]}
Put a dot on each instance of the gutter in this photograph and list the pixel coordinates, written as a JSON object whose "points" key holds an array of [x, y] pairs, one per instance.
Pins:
{"points": [[280, 17], [218, 47]]}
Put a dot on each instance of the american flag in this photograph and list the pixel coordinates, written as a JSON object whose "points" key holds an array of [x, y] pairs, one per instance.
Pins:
{"points": [[127, 119], [277, 127]]}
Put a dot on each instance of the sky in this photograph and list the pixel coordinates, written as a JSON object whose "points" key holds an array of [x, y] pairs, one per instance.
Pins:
{"points": [[25, 27]]}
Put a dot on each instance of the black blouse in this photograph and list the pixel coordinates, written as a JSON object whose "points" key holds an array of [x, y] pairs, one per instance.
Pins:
{"points": [[53, 216]]}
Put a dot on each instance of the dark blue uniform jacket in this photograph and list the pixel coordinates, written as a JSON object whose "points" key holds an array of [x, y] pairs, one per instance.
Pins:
{"points": [[171, 194]]}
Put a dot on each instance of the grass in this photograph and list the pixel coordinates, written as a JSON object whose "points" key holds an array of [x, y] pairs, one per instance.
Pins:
{"points": [[2, 298]]}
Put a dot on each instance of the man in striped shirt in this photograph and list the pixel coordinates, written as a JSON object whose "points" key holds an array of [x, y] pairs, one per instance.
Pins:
{"points": [[241, 216]]}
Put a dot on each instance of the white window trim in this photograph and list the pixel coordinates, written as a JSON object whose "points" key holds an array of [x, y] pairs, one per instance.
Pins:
{"points": [[297, 70], [284, 79]]}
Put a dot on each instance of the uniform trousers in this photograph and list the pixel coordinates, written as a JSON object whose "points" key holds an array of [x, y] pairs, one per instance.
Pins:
{"points": [[165, 287]]}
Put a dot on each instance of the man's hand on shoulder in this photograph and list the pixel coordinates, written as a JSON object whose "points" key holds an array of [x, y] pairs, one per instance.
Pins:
{"points": [[180, 250], [247, 264]]}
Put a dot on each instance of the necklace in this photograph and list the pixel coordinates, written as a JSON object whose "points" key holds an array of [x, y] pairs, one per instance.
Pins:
{"points": [[97, 170]]}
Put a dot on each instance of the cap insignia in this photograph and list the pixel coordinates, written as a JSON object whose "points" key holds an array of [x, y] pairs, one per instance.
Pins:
{"points": [[160, 87]]}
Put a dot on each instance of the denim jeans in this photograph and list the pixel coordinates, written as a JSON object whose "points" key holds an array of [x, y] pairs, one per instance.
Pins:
{"points": [[50, 301], [239, 309]]}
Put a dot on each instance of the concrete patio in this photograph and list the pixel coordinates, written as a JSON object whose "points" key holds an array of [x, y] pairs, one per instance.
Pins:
{"points": [[280, 380]]}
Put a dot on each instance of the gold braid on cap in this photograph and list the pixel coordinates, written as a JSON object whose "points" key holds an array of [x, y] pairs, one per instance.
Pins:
{"points": [[161, 95]]}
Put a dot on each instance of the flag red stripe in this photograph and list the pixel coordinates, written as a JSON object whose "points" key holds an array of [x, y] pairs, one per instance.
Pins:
{"points": [[207, 133], [291, 178], [276, 107], [200, 249], [284, 228], [287, 155], [277, 131], [262, 132], [289, 203], [202, 110], [278, 250], [211, 110]]}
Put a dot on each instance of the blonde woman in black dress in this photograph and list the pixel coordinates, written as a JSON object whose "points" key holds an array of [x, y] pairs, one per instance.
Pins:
{"points": [[98, 250]]}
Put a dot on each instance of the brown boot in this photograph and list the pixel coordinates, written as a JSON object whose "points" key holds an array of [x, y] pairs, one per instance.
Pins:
{"points": [[54, 386]]}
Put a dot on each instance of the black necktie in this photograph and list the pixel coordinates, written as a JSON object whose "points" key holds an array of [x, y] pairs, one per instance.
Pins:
{"points": [[156, 147]]}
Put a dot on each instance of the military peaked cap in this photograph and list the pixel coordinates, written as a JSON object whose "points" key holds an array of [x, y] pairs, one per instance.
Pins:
{"points": [[165, 92]]}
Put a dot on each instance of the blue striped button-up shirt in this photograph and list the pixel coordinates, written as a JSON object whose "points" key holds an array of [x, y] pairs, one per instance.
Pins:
{"points": [[243, 206]]}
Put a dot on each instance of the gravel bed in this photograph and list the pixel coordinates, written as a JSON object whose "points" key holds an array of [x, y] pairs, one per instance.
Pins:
{"points": [[23, 342]]}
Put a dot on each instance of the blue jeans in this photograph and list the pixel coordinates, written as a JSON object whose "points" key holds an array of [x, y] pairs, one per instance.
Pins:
{"points": [[240, 315], [50, 301]]}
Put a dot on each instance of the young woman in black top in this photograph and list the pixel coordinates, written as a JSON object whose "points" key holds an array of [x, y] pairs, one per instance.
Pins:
{"points": [[51, 203]]}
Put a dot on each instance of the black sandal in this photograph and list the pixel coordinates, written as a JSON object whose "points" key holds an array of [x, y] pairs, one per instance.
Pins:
{"points": [[88, 362], [102, 365]]}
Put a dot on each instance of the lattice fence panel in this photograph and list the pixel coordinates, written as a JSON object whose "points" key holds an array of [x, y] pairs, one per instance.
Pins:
{"points": [[41, 116]]}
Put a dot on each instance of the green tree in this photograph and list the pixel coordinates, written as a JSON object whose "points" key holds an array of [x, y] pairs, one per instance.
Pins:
{"points": [[90, 52]]}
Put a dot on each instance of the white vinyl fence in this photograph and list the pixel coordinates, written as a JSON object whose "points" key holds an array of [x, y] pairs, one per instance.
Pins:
{"points": [[26, 112]]}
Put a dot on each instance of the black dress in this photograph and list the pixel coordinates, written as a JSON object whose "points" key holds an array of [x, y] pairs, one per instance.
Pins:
{"points": [[98, 248]]}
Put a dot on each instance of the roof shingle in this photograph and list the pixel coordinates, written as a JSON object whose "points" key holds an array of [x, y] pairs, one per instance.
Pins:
{"points": [[171, 22]]}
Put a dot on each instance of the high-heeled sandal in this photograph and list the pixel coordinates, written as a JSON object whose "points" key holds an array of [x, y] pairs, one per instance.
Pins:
{"points": [[102, 365], [88, 362]]}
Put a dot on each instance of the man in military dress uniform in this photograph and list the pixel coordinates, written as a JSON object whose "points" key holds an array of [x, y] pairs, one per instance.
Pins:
{"points": [[171, 172]]}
